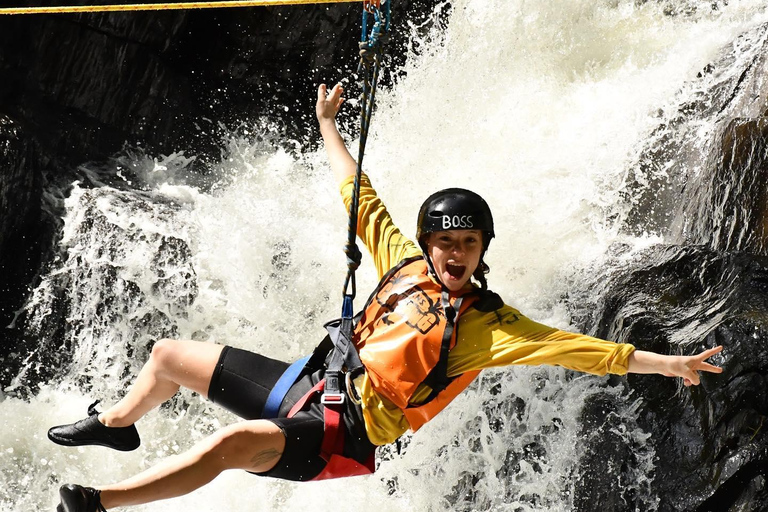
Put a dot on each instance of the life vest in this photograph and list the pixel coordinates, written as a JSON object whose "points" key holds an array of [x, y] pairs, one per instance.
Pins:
{"points": [[400, 338]]}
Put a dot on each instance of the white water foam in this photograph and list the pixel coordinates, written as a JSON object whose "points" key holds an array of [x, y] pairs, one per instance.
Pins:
{"points": [[538, 106]]}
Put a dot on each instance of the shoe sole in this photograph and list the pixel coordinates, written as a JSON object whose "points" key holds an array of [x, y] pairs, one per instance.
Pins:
{"points": [[69, 442]]}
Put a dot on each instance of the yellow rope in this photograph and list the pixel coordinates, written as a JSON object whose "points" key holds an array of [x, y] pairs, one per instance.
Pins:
{"points": [[162, 6]]}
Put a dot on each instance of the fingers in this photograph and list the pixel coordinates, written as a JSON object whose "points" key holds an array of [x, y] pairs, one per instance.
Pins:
{"points": [[700, 365], [697, 364], [709, 353], [328, 104], [335, 97], [706, 367]]}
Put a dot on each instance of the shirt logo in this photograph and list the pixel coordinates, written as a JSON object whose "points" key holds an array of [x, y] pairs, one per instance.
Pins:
{"points": [[507, 318]]}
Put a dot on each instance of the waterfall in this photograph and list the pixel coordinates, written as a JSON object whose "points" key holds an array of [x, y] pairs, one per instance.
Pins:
{"points": [[550, 110]]}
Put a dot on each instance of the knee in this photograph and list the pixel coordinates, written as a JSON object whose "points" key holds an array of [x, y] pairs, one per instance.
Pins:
{"points": [[238, 446], [165, 352], [229, 442]]}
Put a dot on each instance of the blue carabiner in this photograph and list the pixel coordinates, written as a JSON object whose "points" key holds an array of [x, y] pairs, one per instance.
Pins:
{"points": [[380, 25]]}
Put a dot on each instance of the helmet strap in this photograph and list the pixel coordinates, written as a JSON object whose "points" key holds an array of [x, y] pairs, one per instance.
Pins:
{"points": [[431, 267]]}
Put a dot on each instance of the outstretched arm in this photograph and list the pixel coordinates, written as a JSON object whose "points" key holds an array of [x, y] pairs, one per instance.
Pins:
{"points": [[342, 163], [687, 367]]}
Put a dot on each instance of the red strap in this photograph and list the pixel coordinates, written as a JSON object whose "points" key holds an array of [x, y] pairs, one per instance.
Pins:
{"points": [[303, 400], [333, 439], [342, 467]]}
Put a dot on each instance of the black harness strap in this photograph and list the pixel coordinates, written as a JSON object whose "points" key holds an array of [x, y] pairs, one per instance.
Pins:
{"points": [[438, 378], [344, 359]]}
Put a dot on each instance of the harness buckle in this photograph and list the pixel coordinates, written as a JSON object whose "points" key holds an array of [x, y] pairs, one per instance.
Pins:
{"points": [[351, 390], [332, 398]]}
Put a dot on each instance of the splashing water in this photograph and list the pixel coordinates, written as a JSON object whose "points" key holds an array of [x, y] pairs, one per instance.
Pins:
{"points": [[541, 107]]}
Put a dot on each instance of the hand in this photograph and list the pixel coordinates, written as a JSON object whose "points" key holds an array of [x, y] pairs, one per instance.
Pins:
{"points": [[328, 104], [688, 367], [342, 163]]}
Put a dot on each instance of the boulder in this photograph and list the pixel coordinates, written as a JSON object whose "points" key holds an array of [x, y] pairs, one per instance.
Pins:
{"points": [[710, 445], [20, 213]]}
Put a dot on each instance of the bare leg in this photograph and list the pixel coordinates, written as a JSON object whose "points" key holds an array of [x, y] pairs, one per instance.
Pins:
{"points": [[173, 363], [254, 445]]}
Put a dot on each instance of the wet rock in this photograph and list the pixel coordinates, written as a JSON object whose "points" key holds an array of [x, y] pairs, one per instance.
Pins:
{"points": [[20, 196], [710, 443], [127, 306], [732, 204], [83, 85], [607, 453], [663, 185]]}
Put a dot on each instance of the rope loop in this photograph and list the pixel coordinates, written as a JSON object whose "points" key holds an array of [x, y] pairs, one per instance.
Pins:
{"points": [[354, 256]]}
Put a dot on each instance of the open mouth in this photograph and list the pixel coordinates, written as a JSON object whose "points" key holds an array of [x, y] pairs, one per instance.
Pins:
{"points": [[455, 271]]}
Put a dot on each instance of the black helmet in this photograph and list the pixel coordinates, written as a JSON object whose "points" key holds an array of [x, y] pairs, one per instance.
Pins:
{"points": [[455, 208]]}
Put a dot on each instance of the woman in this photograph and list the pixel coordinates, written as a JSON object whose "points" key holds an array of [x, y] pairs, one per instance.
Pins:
{"points": [[448, 327]]}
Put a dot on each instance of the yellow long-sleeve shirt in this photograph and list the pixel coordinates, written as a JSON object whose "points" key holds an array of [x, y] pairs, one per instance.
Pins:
{"points": [[485, 340]]}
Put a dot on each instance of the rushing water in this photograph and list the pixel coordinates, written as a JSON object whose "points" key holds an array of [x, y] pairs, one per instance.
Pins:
{"points": [[542, 107]]}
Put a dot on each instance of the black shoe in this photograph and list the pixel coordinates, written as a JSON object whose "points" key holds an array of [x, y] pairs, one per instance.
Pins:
{"points": [[76, 498], [92, 431]]}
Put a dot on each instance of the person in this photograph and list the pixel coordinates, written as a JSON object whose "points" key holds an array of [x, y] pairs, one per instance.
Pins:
{"points": [[428, 329]]}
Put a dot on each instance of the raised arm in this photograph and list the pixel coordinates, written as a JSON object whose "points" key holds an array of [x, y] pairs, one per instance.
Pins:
{"points": [[687, 367], [342, 163]]}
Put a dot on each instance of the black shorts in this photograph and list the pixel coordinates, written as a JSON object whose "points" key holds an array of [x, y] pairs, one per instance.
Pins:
{"points": [[242, 382]]}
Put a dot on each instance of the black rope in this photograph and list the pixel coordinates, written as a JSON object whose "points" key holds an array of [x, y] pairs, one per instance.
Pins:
{"points": [[344, 358], [368, 68]]}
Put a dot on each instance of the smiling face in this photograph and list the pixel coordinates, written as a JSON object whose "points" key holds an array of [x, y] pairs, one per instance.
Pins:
{"points": [[455, 255]]}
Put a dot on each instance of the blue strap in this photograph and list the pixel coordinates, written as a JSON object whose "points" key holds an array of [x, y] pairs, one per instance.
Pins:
{"points": [[284, 383]]}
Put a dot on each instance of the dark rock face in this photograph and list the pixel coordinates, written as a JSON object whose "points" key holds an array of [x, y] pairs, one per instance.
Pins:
{"points": [[20, 197], [710, 443], [711, 448], [666, 183], [607, 453], [85, 84], [738, 187]]}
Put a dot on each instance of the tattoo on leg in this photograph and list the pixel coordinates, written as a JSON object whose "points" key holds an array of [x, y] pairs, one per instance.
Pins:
{"points": [[265, 456]]}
